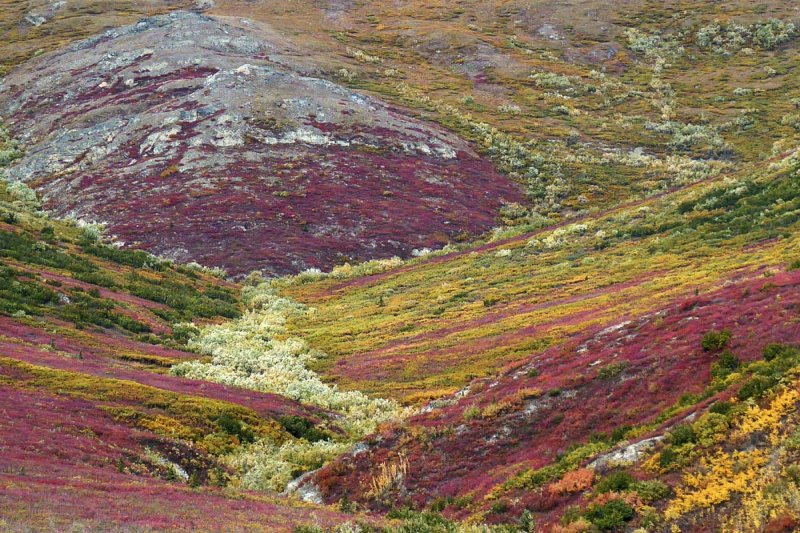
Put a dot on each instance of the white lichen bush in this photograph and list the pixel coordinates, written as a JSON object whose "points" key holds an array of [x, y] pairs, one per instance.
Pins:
{"points": [[217, 272], [362, 56], [24, 197], [253, 352], [651, 45], [9, 147], [551, 80], [728, 38], [345, 271], [269, 466]]}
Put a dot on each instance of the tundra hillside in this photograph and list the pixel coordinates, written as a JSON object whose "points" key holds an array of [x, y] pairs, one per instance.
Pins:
{"points": [[418, 266]]}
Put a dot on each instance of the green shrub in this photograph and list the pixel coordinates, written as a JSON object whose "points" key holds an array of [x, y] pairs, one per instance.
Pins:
{"points": [[472, 412], [20, 295], [609, 516], [307, 529], [612, 370], [726, 363], [459, 502], [47, 233], [792, 473], [721, 407], [424, 522], [527, 523], [302, 428], [499, 507], [134, 258], [618, 481], [756, 387], [682, 434], [232, 426], [188, 301], [25, 249], [715, 340], [619, 433], [96, 278], [86, 307], [345, 505], [651, 490], [771, 351], [182, 333], [667, 457]]}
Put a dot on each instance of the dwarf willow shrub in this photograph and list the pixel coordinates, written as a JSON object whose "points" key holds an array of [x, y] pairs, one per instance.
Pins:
{"points": [[772, 33], [345, 271], [729, 37], [722, 37], [551, 80], [247, 353], [9, 148], [24, 197], [269, 466], [652, 45], [252, 353]]}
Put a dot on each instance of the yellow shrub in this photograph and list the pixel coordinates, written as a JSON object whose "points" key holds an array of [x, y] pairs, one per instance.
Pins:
{"points": [[768, 418], [723, 475]]}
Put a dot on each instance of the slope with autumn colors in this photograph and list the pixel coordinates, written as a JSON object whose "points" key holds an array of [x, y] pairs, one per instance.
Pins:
{"points": [[502, 266]]}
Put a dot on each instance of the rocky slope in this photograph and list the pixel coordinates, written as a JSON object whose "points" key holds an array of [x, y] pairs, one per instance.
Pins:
{"points": [[203, 141]]}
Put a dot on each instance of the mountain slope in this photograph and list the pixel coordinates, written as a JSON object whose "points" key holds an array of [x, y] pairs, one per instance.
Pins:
{"points": [[202, 141], [87, 335], [621, 354], [589, 334]]}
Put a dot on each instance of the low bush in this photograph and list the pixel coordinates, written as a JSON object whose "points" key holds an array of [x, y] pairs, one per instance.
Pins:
{"points": [[233, 426], [756, 387], [618, 481], [721, 407], [715, 340], [667, 457], [609, 516], [682, 434], [651, 490], [302, 428]]}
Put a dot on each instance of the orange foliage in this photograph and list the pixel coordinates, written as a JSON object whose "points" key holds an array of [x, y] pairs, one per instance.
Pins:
{"points": [[575, 481]]}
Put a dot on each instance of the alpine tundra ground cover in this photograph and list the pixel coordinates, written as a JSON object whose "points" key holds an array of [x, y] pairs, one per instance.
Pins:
{"points": [[602, 332], [620, 352], [495, 304], [87, 337]]}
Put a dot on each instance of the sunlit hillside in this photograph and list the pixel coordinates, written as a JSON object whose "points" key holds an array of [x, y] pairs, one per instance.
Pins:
{"points": [[399, 266]]}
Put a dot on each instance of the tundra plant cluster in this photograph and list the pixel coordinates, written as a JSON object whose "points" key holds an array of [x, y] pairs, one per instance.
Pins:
{"points": [[253, 352], [728, 38]]}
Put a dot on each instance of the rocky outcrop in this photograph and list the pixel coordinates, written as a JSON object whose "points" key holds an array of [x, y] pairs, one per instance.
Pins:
{"points": [[201, 140]]}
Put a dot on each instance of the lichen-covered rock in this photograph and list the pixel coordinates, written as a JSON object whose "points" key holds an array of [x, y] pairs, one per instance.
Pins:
{"points": [[205, 141], [626, 455]]}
